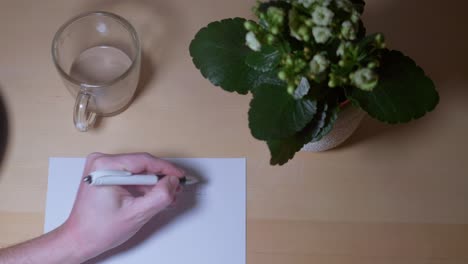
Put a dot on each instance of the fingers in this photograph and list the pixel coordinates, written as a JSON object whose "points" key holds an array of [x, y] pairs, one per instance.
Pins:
{"points": [[158, 198], [144, 188], [155, 198], [90, 161], [134, 162]]}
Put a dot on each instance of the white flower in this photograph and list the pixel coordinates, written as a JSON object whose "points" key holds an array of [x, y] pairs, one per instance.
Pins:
{"points": [[319, 63], [322, 16], [306, 3], [321, 34], [252, 42], [341, 48], [355, 16], [348, 30], [364, 79], [346, 5]]}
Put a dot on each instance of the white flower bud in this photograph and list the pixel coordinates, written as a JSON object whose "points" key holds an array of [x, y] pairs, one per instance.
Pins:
{"points": [[319, 63], [293, 24], [365, 79], [342, 48], [346, 5], [252, 42], [306, 3], [295, 35], [355, 16], [322, 16], [348, 30], [321, 34]]}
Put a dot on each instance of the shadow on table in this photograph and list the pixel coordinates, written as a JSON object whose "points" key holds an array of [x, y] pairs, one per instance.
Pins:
{"points": [[157, 26], [4, 130], [433, 34], [186, 201]]}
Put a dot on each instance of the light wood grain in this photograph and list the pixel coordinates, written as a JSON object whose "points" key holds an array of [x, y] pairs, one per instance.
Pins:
{"points": [[19, 227], [391, 194]]}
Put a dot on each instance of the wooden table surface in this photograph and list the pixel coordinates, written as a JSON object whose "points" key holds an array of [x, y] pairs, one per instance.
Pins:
{"points": [[391, 194]]}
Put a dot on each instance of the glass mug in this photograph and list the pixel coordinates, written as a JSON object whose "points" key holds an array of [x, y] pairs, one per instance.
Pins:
{"points": [[98, 56]]}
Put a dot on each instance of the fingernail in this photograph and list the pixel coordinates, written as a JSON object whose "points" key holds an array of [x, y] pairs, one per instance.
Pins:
{"points": [[174, 181]]}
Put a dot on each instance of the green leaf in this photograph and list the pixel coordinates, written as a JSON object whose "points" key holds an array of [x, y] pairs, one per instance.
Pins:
{"points": [[302, 89], [267, 79], [276, 114], [265, 60], [282, 150], [219, 52], [403, 93], [332, 115]]}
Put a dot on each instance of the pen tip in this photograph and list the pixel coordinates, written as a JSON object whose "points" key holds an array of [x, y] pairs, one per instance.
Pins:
{"points": [[87, 179], [188, 180]]}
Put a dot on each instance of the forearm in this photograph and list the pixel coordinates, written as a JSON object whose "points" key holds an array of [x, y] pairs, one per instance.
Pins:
{"points": [[121, 213], [55, 247]]}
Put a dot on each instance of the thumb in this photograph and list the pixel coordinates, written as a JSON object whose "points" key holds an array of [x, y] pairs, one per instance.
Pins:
{"points": [[159, 197]]}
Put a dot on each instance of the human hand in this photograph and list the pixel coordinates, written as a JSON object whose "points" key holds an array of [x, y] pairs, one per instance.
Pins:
{"points": [[104, 217]]}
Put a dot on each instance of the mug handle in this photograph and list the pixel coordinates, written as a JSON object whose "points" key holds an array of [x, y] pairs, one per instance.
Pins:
{"points": [[82, 117]]}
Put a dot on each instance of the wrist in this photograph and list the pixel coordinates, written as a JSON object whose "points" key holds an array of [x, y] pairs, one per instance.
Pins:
{"points": [[80, 250]]}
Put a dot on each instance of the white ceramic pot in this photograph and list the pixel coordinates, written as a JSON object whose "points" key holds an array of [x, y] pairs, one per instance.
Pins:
{"points": [[348, 121]]}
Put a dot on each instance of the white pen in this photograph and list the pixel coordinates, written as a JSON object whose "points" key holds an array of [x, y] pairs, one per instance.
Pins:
{"points": [[117, 177]]}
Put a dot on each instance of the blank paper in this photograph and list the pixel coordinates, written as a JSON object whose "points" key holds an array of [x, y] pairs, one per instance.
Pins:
{"points": [[205, 226]]}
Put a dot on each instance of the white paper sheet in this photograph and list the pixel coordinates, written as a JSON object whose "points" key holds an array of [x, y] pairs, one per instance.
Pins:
{"points": [[205, 226]]}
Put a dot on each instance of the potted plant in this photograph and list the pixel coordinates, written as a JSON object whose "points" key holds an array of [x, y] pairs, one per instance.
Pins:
{"points": [[305, 62]]}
